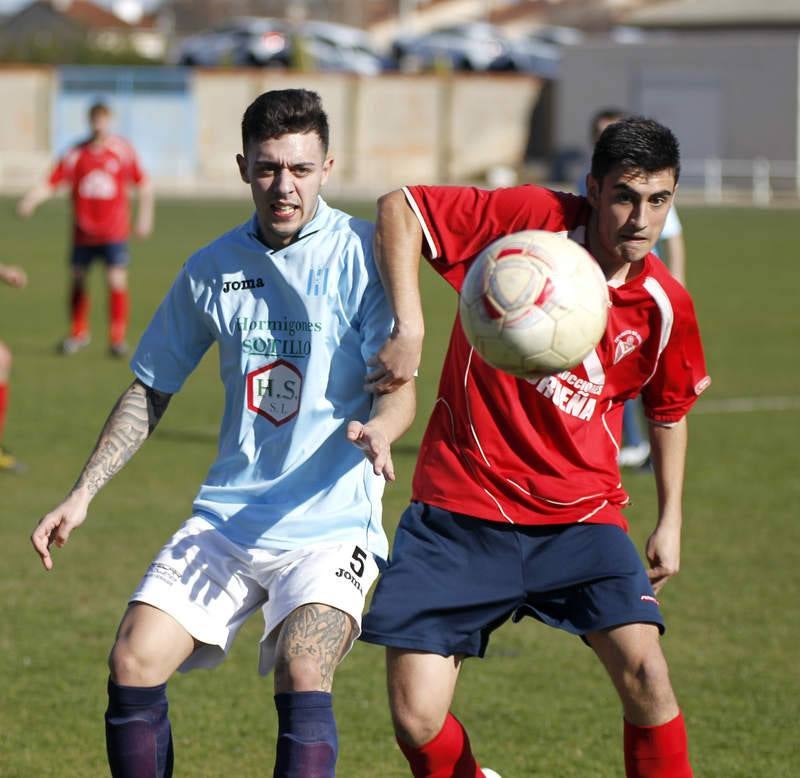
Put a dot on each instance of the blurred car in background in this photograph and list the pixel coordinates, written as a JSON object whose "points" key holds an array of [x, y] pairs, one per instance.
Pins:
{"points": [[338, 47], [528, 54], [242, 41], [559, 35], [469, 46], [264, 42], [538, 52]]}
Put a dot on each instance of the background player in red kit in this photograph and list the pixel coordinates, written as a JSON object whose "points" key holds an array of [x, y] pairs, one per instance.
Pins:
{"points": [[517, 502], [98, 171], [17, 278]]}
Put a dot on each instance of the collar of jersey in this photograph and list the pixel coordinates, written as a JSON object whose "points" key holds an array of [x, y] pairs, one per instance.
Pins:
{"points": [[315, 225]]}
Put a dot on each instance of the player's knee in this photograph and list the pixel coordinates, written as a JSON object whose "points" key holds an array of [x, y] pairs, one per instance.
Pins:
{"points": [[415, 724], [130, 668], [646, 677], [302, 674], [5, 359], [117, 279]]}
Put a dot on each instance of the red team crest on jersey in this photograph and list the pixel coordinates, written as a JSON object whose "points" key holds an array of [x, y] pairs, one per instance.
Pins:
{"points": [[273, 391], [626, 343]]}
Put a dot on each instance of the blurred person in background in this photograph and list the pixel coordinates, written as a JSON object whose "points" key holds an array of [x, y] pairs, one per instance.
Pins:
{"points": [[98, 171], [13, 276], [635, 450]]}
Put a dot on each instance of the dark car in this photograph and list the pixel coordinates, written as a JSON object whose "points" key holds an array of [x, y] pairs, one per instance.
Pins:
{"points": [[264, 42]]}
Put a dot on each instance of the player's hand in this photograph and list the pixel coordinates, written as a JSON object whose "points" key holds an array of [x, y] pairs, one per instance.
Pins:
{"points": [[143, 229], [25, 207], [395, 364], [375, 446], [57, 525], [14, 276], [663, 551]]}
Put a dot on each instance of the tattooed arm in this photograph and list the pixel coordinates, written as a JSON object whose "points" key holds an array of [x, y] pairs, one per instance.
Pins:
{"points": [[129, 424]]}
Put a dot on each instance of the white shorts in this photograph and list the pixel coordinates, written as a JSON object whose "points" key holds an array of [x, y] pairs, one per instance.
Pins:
{"points": [[211, 586]]}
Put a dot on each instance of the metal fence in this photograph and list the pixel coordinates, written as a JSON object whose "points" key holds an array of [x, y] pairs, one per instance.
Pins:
{"points": [[761, 181]]}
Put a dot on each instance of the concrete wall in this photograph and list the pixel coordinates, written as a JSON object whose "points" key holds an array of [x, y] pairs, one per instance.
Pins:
{"points": [[25, 97], [733, 96], [385, 131]]}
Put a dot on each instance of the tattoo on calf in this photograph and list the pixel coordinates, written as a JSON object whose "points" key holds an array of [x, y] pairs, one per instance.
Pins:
{"points": [[319, 632]]}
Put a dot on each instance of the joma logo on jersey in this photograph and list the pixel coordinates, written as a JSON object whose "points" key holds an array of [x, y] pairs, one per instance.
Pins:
{"points": [[348, 576], [245, 283], [625, 343], [273, 391]]}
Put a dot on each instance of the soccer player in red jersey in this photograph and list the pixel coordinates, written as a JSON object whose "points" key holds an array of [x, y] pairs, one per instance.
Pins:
{"points": [[99, 172], [517, 504], [16, 277]]}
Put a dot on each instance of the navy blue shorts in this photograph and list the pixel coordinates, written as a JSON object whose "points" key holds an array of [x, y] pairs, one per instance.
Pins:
{"points": [[453, 579], [113, 254]]}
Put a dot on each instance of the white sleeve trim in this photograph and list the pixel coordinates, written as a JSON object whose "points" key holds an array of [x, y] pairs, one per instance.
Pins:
{"points": [[425, 231], [661, 298]]}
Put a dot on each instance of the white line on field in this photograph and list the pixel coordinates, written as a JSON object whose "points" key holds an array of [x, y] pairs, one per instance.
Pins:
{"points": [[748, 405]]}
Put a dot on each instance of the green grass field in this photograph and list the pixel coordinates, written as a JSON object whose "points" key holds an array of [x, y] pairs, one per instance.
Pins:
{"points": [[539, 704]]}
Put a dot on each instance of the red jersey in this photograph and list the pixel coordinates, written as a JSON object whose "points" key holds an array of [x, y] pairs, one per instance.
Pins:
{"points": [[545, 452], [99, 179]]}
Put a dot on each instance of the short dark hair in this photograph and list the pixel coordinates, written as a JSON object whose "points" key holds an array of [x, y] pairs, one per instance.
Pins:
{"points": [[99, 107], [282, 112], [636, 143], [604, 115]]}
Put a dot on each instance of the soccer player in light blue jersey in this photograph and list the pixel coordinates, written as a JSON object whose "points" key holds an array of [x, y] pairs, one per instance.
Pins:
{"points": [[288, 519]]}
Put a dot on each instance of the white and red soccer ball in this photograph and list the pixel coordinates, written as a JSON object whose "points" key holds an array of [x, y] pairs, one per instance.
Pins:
{"points": [[534, 303]]}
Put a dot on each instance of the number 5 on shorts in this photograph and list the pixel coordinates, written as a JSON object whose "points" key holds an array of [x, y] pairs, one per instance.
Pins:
{"points": [[359, 558]]}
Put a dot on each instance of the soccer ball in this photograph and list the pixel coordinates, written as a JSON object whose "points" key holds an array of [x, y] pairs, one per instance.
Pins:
{"points": [[534, 303]]}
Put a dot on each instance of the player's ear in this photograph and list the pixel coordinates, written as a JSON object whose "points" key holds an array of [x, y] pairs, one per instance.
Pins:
{"points": [[326, 169], [592, 190], [242, 163]]}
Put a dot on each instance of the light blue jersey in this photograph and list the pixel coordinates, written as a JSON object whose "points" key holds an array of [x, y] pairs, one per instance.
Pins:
{"points": [[294, 327]]}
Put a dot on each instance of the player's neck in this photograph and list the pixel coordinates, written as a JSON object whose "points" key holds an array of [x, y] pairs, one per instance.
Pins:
{"points": [[622, 272]]}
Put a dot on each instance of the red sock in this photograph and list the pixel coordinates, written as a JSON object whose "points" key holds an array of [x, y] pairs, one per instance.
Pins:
{"points": [[79, 313], [118, 314], [3, 407], [657, 752], [448, 755]]}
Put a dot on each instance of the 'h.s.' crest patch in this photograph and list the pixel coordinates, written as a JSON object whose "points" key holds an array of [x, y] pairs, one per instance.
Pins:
{"points": [[273, 391]]}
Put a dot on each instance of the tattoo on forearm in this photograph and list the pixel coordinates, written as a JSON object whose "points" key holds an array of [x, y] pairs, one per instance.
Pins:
{"points": [[127, 427], [319, 632]]}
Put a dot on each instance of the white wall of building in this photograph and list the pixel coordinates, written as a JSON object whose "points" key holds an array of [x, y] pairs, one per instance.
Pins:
{"points": [[732, 96]]}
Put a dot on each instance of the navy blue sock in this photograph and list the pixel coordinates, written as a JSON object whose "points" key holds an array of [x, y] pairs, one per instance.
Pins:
{"points": [[138, 734], [307, 739]]}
